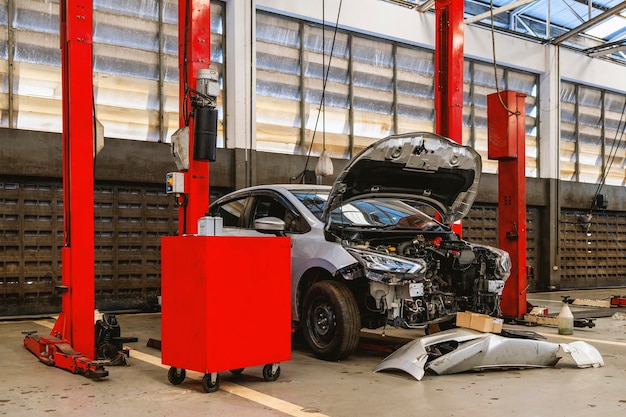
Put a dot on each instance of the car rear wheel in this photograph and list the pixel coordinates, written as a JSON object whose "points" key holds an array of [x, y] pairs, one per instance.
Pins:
{"points": [[332, 323]]}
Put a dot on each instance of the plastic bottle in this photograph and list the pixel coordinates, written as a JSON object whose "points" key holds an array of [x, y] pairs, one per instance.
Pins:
{"points": [[566, 320]]}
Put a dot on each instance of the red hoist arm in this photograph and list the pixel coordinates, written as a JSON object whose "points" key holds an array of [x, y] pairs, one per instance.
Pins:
{"points": [[194, 53]]}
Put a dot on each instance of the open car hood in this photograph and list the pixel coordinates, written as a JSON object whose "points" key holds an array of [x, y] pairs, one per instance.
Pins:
{"points": [[419, 165]]}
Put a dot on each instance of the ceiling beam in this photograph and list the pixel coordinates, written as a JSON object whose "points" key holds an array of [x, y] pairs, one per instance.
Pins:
{"points": [[403, 3], [505, 8], [606, 49], [426, 6], [590, 23]]}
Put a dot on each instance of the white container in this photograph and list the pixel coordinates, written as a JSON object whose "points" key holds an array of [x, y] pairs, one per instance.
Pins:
{"points": [[206, 226], [219, 225], [210, 226], [566, 320]]}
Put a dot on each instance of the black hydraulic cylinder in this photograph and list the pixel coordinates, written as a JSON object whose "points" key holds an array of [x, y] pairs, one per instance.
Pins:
{"points": [[205, 134]]}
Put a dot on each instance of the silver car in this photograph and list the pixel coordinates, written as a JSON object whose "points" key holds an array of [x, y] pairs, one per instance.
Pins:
{"points": [[376, 248]]}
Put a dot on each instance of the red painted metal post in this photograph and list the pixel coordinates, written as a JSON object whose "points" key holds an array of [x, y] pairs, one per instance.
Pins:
{"points": [[76, 322], [506, 116], [194, 53], [71, 344], [449, 65], [449, 61]]}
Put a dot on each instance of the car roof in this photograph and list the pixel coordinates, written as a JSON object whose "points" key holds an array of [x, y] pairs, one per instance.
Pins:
{"points": [[290, 187]]}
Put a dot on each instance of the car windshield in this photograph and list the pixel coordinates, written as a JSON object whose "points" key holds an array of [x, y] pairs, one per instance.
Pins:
{"points": [[371, 212]]}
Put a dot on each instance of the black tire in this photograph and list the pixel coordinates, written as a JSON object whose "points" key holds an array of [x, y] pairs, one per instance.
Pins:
{"points": [[208, 385], [107, 351], [237, 371], [270, 376], [176, 375], [331, 320]]}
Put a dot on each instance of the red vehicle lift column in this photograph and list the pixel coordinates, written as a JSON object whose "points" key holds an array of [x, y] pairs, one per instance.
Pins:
{"points": [[449, 61], [220, 309], [71, 344], [194, 53], [449, 65], [506, 116]]}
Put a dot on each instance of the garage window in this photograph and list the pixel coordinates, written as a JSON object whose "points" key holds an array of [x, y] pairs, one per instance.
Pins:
{"points": [[374, 88], [135, 65], [592, 123]]}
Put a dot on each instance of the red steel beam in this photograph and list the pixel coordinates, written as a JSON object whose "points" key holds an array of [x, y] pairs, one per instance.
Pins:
{"points": [[194, 53], [449, 61]]}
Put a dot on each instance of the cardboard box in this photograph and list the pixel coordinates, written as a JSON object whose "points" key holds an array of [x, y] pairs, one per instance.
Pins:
{"points": [[463, 318], [480, 322]]}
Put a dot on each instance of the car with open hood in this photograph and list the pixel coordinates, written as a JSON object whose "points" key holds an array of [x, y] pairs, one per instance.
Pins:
{"points": [[377, 248]]}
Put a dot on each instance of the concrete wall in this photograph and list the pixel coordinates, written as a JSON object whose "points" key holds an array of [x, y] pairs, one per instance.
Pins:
{"points": [[555, 205], [38, 154]]}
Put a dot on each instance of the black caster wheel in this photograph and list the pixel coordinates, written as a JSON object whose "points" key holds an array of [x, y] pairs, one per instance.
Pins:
{"points": [[237, 371], [176, 375], [269, 374], [210, 384]]}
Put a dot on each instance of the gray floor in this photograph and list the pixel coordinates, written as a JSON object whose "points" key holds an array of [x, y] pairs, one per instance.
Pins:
{"points": [[310, 387]]}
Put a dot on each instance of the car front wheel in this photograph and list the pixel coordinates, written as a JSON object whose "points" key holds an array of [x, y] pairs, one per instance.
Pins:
{"points": [[332, 323]]}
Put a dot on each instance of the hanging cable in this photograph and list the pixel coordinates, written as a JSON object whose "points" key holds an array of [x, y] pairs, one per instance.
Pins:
{"points": [[586, 219], [325, 80], [325, 75], [495, 67], [613, 151]]}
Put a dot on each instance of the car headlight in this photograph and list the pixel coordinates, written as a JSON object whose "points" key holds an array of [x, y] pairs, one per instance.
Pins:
{"points": [[503, 264], [388, 269]]}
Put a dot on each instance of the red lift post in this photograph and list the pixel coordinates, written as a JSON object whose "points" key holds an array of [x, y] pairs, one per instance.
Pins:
{"points": [[449, 65], [226, 301], [194, 53], [506, 117], [71, 344]]}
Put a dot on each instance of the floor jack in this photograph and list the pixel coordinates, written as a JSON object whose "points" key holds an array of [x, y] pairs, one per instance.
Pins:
{"points": [[55, 351]]}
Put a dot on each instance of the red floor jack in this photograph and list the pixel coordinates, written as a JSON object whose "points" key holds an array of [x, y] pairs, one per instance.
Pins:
{"points": [[71, 344], [55, 351]]}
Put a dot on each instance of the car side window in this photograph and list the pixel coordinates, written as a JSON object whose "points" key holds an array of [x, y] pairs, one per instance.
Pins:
{"points": [[232, 211], [267, 206]]}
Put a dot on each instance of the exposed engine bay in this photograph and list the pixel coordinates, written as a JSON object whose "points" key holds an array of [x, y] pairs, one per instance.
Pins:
{"points": [[422, 278]]}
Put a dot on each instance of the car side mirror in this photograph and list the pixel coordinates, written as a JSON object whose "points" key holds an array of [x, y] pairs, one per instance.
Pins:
{"points": [[270, 225]]}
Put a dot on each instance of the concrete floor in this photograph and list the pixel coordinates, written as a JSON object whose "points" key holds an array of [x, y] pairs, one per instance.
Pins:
{"points": [[313, 388]]}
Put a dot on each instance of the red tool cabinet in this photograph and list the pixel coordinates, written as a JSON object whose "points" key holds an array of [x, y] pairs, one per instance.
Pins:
{"points": [[226, 305]]}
